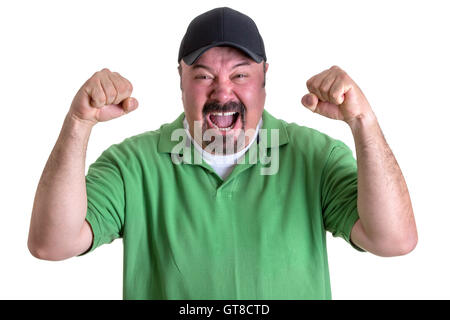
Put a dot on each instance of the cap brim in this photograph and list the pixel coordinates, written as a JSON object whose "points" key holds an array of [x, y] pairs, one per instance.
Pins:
{"points": [[193, 56]]}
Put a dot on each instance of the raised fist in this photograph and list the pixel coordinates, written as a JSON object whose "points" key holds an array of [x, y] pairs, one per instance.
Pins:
{"points": [[105, 96], [333, 94]]}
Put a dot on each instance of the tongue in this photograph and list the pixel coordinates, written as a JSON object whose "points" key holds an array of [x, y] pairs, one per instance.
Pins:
{"points": [[222, 121]]}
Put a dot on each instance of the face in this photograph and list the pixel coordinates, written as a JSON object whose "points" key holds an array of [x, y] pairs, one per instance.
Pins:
{"points": [[224, 95]]}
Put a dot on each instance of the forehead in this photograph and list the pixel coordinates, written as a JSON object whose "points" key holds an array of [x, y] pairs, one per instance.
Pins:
{"points": [[223, 56]]}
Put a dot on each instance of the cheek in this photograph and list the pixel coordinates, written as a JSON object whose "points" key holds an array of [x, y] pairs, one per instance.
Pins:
{"points": [[253, 96], [194, 99]]}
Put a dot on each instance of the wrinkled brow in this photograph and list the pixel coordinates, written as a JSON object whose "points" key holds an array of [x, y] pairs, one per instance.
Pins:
{"points": [[197, 66]]}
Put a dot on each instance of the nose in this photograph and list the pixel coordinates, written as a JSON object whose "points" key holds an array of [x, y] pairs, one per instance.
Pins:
{"points": [[222, 91]]}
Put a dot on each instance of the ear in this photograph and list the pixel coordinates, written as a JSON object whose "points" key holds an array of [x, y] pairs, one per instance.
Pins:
{"points": [[180, 73], [265, 68]]}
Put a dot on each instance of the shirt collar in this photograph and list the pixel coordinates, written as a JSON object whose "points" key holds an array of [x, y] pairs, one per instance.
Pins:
{"points": [[167, 145]]}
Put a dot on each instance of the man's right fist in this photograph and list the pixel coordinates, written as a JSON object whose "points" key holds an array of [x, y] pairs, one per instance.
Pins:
{"points": [[105, 96]]}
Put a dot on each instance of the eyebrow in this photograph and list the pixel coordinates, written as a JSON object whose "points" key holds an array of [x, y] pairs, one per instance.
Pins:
{"points": [[197, 66]]}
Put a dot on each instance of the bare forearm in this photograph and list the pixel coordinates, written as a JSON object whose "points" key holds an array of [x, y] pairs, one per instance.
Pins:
{"points": [[384, 203], [386, 226], [58, 228], [60, 203]]}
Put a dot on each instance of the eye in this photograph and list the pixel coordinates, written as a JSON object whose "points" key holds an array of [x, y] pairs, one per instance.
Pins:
{"points": [[202, 77], [241, 75]]}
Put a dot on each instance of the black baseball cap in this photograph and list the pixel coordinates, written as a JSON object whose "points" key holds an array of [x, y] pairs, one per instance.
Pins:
{"points": [[221, 27]]}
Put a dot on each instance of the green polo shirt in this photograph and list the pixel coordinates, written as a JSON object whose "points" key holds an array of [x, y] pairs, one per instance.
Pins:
{"points": [[259, 234]]}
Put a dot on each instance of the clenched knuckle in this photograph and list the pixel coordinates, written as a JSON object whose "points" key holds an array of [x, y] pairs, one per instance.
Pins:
{"points": [[119, 86], [335, 95], [99, 98], [123, 88], [325, 84], [343, 76], [89, 85], [335, 67], [92, 80], [111, 93], [129, 86], [316, 84]]}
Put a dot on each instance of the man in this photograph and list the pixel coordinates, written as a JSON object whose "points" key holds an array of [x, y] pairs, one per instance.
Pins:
{"points": [[201, 222]]}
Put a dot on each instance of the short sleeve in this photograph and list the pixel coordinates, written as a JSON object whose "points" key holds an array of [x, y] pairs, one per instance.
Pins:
{"points": [[105, 198], [339, 190]]}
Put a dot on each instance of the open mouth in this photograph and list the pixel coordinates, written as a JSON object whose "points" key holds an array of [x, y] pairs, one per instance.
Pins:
{"points": [[223, 121]]}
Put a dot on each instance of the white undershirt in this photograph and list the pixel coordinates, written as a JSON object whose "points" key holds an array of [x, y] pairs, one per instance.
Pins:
{"points": [[222, 164]]}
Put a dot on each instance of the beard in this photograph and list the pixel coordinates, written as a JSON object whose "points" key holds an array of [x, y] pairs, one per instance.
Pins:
{"points": [[228, 143]]}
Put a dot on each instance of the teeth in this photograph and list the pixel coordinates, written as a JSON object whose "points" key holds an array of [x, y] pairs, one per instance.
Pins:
{"points": [[223, 113], [225, 129], [221, 129]]}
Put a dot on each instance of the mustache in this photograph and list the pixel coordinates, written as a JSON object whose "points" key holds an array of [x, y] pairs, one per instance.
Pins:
{"points": [[231, 106]]}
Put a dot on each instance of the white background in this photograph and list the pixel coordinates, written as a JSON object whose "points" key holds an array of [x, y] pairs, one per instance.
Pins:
{"points": [[396, 51]]}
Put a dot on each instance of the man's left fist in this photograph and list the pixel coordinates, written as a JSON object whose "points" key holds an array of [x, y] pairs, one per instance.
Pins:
{"points": [[335, 95]]}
